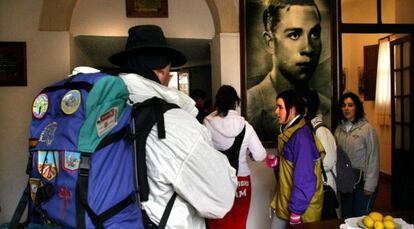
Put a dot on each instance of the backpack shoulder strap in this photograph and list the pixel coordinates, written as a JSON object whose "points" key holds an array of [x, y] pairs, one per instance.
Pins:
{"points": [[145, 116], [319, 124], [233, 152]]}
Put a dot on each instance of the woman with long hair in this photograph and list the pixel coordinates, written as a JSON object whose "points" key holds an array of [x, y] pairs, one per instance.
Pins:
{"points": [[299, 192], [235, 137], [359, 141]]}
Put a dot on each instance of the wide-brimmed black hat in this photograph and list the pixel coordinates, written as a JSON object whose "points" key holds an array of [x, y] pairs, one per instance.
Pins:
{"points": [[149, 39]]}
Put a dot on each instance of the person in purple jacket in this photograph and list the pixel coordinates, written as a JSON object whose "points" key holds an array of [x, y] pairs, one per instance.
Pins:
{"points": [[299, 193]]}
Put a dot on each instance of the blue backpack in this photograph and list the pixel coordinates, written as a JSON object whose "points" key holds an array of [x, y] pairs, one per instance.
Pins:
{"points": [[84, 171]]}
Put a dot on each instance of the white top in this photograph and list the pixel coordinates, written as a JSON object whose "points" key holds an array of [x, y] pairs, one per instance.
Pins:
{"points": [[327, 140], [185, 162], [225, 129]]}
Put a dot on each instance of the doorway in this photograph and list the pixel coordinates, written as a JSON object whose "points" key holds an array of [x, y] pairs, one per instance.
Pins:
{"points": [[402, 126]]}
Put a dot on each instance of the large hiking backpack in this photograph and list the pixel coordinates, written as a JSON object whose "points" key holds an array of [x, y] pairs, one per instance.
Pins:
{"points": [[84, 171]]}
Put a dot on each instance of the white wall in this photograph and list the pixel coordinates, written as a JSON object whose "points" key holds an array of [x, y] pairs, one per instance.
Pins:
{"points": [[47, 60], [186, 19], [225, 53]]}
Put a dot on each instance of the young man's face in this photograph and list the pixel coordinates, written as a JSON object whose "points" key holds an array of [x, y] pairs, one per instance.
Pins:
{"points": [[296, 42]]}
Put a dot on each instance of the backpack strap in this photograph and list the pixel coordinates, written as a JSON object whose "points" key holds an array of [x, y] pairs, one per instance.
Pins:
{"points": [[325, 178], [21, 206], [145, 115], [233, 152], [82, 186], [167, 211], [319, 124]]}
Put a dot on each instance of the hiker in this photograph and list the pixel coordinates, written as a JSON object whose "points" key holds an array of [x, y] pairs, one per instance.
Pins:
{"points": [[183, 161]]}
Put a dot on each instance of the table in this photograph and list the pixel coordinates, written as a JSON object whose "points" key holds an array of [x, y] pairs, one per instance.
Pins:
{"points": [[406, 215], [325, 224]]}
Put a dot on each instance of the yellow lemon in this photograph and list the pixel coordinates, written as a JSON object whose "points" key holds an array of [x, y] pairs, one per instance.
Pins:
{"points": [[379, 225], [368, 221], [376, 216], [389, 224], [388, 218]]}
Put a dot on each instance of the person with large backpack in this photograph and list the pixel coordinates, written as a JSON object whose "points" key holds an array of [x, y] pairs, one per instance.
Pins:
{"points": [[184, 162], [234, 136]]}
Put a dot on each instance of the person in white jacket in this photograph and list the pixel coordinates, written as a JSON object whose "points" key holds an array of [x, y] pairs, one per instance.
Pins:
{"points": [[226, 126], [324, 135], [185, 161]]}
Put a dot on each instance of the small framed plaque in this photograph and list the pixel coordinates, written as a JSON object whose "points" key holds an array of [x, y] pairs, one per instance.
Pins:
{"points": [[147, 8], [13, 64]]}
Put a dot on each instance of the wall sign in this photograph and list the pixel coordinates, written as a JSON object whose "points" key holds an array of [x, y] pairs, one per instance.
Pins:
{"points": [[147, 8], [13, 64]]}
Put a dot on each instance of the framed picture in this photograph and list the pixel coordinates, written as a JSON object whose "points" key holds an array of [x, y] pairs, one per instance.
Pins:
{"points": [[13, 64], [147, 8], [285, 47]]}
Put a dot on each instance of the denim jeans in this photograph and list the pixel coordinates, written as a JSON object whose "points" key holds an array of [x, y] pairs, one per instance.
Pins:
{"points": [[357, 203], [278, 223]]}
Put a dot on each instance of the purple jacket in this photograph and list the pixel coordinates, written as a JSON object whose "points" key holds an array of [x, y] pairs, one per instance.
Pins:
{"points": [[299, 188]]}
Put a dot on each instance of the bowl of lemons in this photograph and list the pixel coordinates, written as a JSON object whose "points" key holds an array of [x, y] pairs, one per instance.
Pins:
{"points": [[376, 220]]}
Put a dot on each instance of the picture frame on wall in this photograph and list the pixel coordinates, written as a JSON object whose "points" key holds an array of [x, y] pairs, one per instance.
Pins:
{"points": [[300, 56], [13, 64], [147, 8]]}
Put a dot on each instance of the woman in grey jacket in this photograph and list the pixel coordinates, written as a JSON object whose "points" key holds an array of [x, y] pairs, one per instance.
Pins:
{"points": [[359, 140]]}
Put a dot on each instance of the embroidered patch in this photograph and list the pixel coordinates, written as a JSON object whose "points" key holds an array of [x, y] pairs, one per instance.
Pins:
{"points": [[40, 106], [48, 164], [71, 161], [64, 194], [107, 121], [71, 102], [34, 184], [48, 133]]}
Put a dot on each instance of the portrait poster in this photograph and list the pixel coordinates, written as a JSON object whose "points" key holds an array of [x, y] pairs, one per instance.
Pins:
{"points": [[260, 84]]}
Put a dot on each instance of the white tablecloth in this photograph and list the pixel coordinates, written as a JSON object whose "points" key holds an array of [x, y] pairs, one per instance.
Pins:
{"points": [[352, 223]]}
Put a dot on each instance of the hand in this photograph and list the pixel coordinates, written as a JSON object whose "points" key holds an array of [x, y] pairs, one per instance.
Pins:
{"points": [[271, 160], [294, 219], [367, 193]]}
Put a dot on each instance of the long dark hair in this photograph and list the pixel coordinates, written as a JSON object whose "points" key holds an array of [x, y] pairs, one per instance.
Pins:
{"points": [[226, 99], [359, 108], [292, 99]]}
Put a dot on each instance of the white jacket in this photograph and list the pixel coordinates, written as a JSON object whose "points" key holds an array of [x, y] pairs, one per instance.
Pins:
{"points": [[225, 129], [185, 162], [327, 140]]}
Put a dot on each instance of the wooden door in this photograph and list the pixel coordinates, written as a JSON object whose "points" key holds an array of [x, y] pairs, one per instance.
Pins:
{"points": [[402, 123]]}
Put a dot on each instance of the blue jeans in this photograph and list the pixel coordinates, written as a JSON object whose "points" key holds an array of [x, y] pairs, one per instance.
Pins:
{"points": [[278, 223], [357, 203]]}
